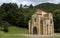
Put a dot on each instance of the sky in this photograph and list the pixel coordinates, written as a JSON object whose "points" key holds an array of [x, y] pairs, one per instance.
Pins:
{"points": [[28, 2]]}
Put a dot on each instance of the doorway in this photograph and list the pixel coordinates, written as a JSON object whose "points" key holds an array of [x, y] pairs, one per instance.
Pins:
{"points": [[34, 30]]}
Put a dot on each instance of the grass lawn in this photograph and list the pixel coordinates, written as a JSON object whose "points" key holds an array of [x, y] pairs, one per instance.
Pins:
{"points": [[14, 37], [17, 30], [14, 30]]}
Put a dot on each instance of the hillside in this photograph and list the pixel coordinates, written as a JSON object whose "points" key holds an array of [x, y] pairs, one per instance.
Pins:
{"points": [[49, 7]]}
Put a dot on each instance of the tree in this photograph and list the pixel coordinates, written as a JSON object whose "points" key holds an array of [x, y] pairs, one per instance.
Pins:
{"points": [[6, 26], [57, 20], [21, 6], [31, 6]]}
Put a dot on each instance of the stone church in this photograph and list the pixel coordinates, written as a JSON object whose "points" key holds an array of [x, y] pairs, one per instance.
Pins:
{"points": [[41, 23]]}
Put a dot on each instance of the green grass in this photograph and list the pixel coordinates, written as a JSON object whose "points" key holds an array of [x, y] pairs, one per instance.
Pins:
{"points": [[14, 37], [0, 35], [15, 30]]}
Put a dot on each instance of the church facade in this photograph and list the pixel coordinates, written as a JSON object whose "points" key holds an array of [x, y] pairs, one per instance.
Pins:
{"points": [[41, 23]]}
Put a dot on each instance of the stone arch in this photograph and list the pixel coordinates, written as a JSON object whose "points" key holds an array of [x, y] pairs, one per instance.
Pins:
{"points": [[34, 30]]}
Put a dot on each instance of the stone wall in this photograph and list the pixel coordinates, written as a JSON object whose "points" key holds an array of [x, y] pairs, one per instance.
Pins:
{"points": [[43, 22]]}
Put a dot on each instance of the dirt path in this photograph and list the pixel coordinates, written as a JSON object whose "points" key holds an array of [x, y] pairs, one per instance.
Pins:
{"points": [[33, 36], [28, 35]]}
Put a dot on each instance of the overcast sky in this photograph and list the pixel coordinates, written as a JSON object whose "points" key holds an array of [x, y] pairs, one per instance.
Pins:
{"points": [[28, 2]]}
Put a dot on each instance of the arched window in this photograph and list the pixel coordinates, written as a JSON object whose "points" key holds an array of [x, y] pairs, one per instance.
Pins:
{"points": [[51, 21], [35, 19], [41, 21]]}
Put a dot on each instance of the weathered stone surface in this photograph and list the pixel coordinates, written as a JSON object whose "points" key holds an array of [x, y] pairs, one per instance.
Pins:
{"points": [[43, 23]]}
